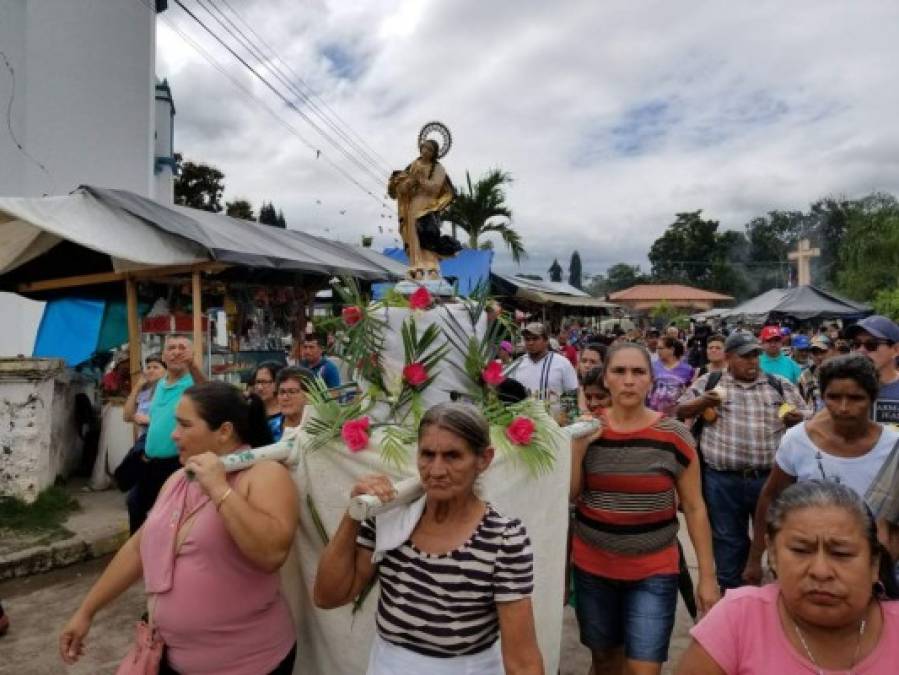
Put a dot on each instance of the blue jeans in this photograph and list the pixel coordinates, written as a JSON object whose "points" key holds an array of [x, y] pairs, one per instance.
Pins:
{"points": [[730, 498], [636, 614]]}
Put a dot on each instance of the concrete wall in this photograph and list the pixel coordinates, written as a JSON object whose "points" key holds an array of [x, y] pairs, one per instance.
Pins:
{"points": [[84, 107], [38, 437]]}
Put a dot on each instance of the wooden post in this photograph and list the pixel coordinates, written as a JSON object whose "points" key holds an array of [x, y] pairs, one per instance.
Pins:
{"points": [[133, 328], [197, 301]]}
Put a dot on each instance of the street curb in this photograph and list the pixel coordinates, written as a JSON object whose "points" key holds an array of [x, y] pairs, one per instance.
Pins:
{"points": [[59, 554]]}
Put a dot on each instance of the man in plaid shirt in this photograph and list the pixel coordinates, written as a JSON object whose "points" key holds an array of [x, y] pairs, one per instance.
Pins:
{"points": [[741, 431]]}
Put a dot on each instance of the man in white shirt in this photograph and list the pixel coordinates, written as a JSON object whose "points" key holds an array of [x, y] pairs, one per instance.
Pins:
{"points": [[542, 372]]}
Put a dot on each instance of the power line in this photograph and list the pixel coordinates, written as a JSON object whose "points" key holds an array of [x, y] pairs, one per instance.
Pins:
{"points": [[269, 61], [211, 60], [378, 179]]}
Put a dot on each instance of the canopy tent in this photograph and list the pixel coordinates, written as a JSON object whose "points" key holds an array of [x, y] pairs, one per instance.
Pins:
{"points": [[802, 303], [552, 297], [107, 233], [85, 244]]}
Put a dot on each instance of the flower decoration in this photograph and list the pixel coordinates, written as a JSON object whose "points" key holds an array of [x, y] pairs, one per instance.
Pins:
{"points": [[421, 299], [351, 315], [415, 374], [355, 434], [493, 374], [521, 430]]}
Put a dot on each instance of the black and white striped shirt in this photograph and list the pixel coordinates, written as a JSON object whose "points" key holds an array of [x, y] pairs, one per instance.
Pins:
{"points": [[444, 605]]}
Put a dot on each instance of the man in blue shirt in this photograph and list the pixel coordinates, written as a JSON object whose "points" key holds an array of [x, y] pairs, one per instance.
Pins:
{"points": [[314, 359], [773, 361], [160, 452]]}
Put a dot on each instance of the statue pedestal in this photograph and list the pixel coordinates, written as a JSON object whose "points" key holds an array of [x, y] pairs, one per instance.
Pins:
{"points": [[436, 287]]}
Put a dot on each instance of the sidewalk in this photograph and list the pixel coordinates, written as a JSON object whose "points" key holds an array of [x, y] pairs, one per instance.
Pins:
{"points": [[98, 528]]}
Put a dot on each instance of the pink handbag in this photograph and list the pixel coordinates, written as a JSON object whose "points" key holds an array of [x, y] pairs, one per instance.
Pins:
{"points": [[145, 654]]}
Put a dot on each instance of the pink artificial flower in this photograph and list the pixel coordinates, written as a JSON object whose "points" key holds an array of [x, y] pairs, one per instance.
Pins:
{"points": [[521, 430], [351, 315], [493, 373], [420, 299], [355, 434], [415, 374]]}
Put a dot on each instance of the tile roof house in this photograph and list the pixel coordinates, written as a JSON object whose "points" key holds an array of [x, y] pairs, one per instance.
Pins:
{"points": [[647, 296]]}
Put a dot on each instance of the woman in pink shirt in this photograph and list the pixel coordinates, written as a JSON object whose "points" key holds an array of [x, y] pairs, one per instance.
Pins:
{"points": [[828, 611], [210, 550]]}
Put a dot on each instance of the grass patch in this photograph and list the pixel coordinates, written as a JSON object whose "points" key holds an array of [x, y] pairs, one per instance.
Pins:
{"points": [[48, 512]]}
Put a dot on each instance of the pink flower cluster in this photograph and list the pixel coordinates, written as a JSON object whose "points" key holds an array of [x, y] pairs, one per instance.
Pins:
{"points": [[355, 434]]}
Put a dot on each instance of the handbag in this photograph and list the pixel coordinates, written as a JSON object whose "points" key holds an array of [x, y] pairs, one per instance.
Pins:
{"points": [[145, 654], [132, 466]]}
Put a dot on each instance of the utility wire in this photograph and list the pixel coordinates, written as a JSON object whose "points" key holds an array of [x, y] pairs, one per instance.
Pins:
{"points": [[251, 96], [269, 61], [377, 179], [312, 94]]}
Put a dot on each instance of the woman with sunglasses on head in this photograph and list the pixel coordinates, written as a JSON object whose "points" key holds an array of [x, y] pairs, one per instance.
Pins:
{"points": [[292, 386], [842, 444], [828, 611]]}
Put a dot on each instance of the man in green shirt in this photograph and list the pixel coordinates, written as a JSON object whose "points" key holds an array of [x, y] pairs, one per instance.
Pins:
{"points": [[160, 452], [773, 361]]}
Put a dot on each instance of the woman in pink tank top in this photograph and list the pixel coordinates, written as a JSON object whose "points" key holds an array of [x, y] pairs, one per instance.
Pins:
{"points": [[210, 550]]}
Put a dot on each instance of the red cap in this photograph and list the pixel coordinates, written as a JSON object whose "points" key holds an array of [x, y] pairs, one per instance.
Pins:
{"points": [[769, 332]]}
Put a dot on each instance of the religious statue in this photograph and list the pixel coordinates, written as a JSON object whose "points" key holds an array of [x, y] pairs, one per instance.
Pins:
{"points": [[422, 191]]}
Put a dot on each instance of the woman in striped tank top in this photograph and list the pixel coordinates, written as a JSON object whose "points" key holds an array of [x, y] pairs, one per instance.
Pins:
{"points": [[626, 481], [463, 577]]}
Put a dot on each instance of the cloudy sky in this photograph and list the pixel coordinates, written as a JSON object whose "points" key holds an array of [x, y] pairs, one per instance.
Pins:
{"points": [[610, 116]]}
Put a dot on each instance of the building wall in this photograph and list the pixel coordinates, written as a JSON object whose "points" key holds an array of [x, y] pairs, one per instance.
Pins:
{"points": [[84, 107]]}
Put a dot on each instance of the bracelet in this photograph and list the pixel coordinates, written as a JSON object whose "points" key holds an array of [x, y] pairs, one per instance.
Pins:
{"points": [[218, 506]]}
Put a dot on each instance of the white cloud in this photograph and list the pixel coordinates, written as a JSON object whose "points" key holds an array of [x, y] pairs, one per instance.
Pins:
{"points": [[611, 117]]}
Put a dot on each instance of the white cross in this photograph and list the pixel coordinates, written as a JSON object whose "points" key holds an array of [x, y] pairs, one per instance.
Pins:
{"points": [[803, 257]]}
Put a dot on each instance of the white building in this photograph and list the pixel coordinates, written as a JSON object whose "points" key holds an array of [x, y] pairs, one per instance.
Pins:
{"points": [[87, 108]]}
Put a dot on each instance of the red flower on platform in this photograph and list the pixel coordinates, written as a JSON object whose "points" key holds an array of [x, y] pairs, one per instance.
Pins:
{"points": [[520, 431], [415, 374], [420, 299], [351, 315], [493, 373], [355, 434]]}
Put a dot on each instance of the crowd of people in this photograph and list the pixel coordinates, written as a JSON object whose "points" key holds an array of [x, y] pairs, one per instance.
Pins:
{"points": [[776, 444]]}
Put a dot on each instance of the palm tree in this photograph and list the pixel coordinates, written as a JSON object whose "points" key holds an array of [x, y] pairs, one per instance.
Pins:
{"points": [[473, 209]]}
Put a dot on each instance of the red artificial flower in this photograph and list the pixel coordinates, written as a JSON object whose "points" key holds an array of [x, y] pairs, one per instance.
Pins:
{"points": [[493, 373], [415, 374], [355, 434], [520, 431], [420, 299], [351, 315]]}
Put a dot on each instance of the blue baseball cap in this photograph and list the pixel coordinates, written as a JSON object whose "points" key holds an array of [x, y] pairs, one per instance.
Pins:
{"points": [[801, 342], [877, 325]]}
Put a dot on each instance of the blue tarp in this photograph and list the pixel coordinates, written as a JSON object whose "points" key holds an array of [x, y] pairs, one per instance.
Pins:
{"points": [[70, 329], [470, 268]]}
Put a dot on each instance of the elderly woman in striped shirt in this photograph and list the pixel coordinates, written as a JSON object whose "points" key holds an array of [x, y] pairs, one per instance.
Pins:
{"points": [[462, 579], [626, 481]]}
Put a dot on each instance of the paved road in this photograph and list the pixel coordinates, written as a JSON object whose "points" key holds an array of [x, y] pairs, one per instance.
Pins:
{"points": [[39, 605]]}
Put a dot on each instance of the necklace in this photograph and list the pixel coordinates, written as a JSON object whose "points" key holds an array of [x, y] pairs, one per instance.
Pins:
{"points": [[858, 645]]}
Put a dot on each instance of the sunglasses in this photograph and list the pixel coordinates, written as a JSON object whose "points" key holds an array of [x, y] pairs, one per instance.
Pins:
{"points": [[870, 345], [774, 339]]}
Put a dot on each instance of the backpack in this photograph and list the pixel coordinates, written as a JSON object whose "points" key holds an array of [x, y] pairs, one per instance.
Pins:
{"points": [[711, 383]]}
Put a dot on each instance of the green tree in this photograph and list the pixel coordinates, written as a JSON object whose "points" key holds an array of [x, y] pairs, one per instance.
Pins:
{"points": [[869, 254], [479, 208], [269, 216], [575, 271], [622, 275], [199, 186], [240, 208], [555, 271], [687, 251]]}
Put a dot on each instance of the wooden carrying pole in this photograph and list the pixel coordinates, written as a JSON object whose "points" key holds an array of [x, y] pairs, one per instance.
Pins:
{"points": [[134, 354], [197, 302]]}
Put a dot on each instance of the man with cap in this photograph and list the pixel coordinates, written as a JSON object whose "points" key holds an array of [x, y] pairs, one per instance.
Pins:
{"points": [[773, 361], [740, 429], [821, 348], [541, 371], [878, 338]]}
